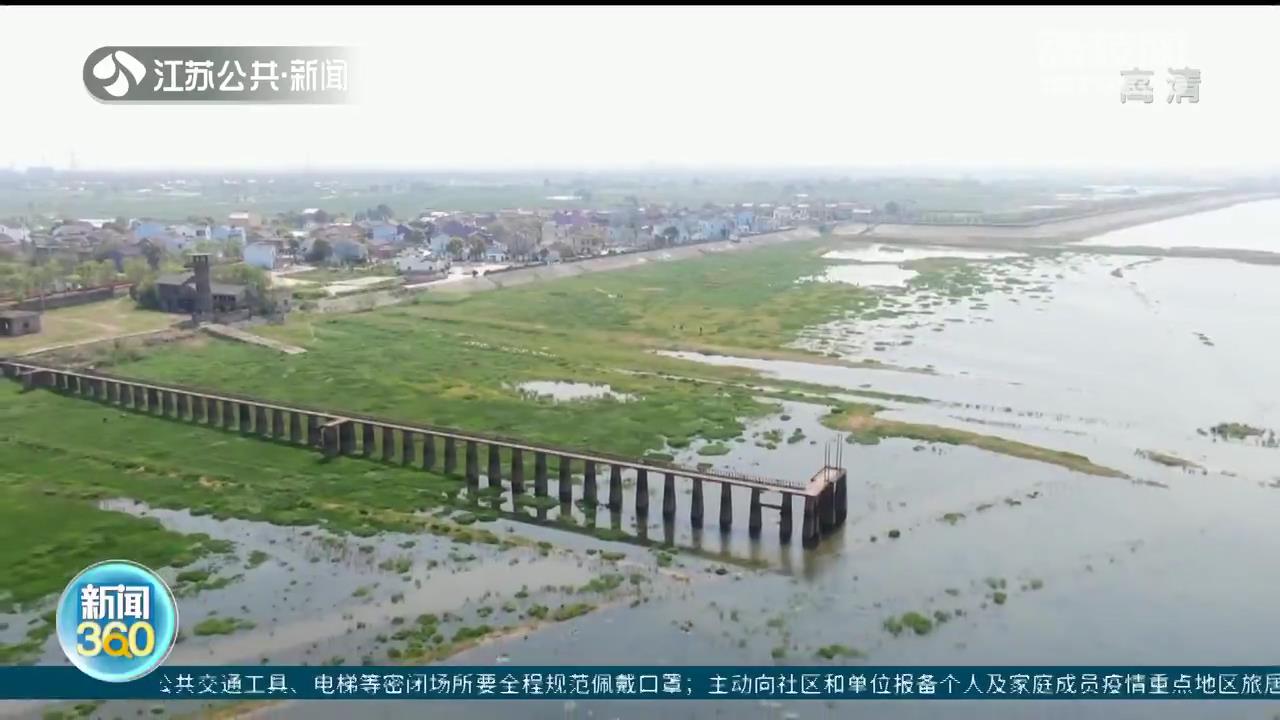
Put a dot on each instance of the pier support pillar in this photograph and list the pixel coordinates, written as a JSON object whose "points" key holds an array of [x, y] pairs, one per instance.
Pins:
{"points": [[126, 393], [642, 492], [278, 422], [473, 464], [754, 519], [154, 402], [540, 474], [668, 497], [113, 393], [347, 438], [313, 430], [827, 509], [388, 444], [566, 480], [228, 414], [495, 466], [695, 509], [184, 402], [330, 440], [261, 424], [726, 507], [589, 482], [406, 448], [809, 525], [784, 518], [295, 428], [368, 438], [842, 498], [615, 488], [450, 456], [199, 409], [245, 412], [428, 452], [517, 473]]}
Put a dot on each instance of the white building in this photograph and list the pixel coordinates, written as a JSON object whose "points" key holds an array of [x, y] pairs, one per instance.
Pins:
{"points": [[421, 263], [261, 255]]}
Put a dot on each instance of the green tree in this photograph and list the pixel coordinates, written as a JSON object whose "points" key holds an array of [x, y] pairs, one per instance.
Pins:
{"points": [[475, 248], [320, 251], [455, 248]]}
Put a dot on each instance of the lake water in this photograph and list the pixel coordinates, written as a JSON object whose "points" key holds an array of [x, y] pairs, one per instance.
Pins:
{"points": [[1250, 226]]}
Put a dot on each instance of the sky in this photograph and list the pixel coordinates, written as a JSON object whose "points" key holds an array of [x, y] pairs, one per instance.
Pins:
{"points": [[695, 87]]}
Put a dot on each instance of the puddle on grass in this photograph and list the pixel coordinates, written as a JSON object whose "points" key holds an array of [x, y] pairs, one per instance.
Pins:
{"points": [[865, 275], [571, 391]]}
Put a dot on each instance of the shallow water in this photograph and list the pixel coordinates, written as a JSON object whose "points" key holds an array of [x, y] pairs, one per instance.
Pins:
{"points": [[571, 391], [876, 252], [865, 275], [1250, 226]]}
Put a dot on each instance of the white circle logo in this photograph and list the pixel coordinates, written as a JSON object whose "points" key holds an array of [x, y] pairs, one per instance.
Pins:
{"points": [[119, 72]]}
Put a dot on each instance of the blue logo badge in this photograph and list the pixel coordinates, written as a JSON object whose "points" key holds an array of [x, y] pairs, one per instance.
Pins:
{"points": [[117, 621]]}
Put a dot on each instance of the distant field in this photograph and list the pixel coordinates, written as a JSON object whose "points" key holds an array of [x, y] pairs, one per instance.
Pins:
{"points": [[407, 199], [88, 322]]}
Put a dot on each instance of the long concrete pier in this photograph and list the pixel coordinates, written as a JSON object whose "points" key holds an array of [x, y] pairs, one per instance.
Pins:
{"points": [[824, 495]]}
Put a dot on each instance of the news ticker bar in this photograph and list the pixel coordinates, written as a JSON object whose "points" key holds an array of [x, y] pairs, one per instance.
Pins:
{"points": [[898, 682]]}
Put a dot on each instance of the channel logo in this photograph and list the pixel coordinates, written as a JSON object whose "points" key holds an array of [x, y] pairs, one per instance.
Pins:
{"points": [[117, 621], [119, 72]]}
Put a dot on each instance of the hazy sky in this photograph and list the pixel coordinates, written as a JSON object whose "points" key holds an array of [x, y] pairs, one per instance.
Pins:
{"points": [[597, 87]]}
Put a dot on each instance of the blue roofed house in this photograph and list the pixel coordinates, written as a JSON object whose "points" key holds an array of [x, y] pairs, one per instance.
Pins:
{"points": [[147, 229]]}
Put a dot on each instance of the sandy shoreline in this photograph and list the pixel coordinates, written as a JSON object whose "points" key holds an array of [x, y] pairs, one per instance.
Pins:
{"points": [[1055, 232]]}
